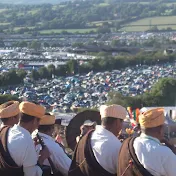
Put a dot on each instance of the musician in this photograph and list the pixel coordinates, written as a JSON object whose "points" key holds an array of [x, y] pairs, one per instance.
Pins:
{"points": [[96, 152], [17, 147], [146, 155], [9, 113], [59, 158], [86, 127]]}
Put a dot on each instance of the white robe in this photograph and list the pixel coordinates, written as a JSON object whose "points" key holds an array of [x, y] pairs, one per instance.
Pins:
{"points": [[61, 161], [22, 150], [158, 159], [106, 147]]}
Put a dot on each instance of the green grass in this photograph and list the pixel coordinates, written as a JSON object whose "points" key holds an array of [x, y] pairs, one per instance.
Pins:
{"points": [[3, 10], [135, 28], [170, 4], [144, 24], [20, 13], [145, 28], [4, 24], [68, 30], [100, 23], [103, 4], [163, 20], [34, 11], [18, 28]]}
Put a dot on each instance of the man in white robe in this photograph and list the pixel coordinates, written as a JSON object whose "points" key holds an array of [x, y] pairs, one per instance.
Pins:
{"points": [[157, 158], [20, 143], [104, 141], [59, 158]]}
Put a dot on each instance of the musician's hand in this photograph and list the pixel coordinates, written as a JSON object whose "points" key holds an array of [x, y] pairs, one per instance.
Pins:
{"points": [[36, 141], [44, 154]]}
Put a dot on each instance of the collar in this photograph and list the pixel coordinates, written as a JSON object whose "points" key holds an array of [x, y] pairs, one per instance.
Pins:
{"points": [[144, 136], [45, 136], [100, 129], [20, 128]]}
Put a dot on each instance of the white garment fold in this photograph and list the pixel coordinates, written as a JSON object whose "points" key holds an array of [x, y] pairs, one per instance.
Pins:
{"points": [[61, 161], [158, 159], [22, 150], [106, 147]]}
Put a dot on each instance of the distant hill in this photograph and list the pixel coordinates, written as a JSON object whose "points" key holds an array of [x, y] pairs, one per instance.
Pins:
{"points": [[30, 1]]}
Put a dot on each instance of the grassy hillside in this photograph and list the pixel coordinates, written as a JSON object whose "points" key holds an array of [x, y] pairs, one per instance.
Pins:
{"points": [[87, 15], [147, 23], [68, 30], [31, 1]]}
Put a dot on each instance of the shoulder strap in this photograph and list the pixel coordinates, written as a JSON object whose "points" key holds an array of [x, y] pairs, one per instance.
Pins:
{"points": [[132, 153], [3, 147], [91, 160]]}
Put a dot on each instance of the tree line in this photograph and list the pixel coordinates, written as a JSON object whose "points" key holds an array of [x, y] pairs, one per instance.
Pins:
{"points": [[12, 77], [103, 62], [162, 94]]}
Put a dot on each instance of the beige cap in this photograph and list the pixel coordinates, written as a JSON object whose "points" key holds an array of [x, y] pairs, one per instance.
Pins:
{"points": [[48, 120], [32, 109], [9, 111], [116, 111], [89, 123]]}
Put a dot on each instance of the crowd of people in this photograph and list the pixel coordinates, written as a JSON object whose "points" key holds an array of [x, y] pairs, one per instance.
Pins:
{"points": [[27, 146]]}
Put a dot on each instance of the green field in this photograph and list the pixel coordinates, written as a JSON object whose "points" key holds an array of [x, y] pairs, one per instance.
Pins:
{"points": [[145, 24], [18, 28], [100, 23], [170, 4], [3, 10], [33, 12], [4, 24], [68, 30], [155, 21], [103, 4], [145, 28]]}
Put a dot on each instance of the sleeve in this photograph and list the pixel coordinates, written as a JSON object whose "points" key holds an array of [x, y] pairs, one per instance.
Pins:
{"points": [[30, 159], [169, 163], [32, 171], [60, 159]]}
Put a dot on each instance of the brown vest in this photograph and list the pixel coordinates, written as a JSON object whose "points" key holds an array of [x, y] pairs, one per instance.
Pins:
{"points": [[7, 165], [128, 163], [84, 162]]}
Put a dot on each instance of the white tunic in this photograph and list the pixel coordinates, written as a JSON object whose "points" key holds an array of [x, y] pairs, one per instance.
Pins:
{"points": [[61, 161], [22, 150], [106, 148], [158, 159]]}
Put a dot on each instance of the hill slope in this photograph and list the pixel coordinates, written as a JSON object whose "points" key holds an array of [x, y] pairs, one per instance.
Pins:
{"points": [[31, 1], [162, 22]]}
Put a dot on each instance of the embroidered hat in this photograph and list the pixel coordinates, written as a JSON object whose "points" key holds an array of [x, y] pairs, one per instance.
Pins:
{"points": [[116, 111]]}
